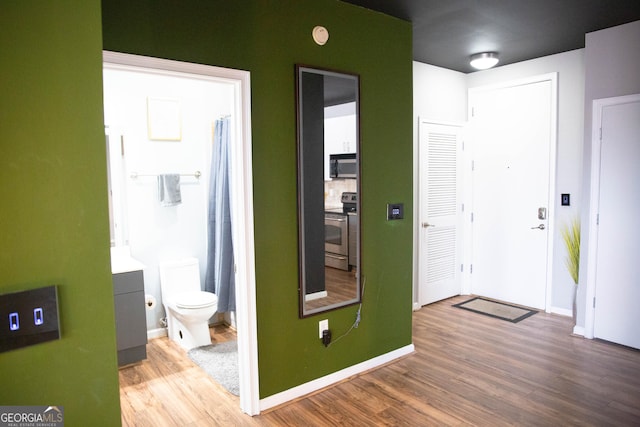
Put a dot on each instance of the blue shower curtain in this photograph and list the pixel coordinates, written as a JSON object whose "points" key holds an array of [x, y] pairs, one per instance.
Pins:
{"points": [[220, 278]]}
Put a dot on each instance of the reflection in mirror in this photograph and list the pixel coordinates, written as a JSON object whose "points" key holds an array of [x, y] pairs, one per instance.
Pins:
{"points": [[116, 186], [328, 205]]}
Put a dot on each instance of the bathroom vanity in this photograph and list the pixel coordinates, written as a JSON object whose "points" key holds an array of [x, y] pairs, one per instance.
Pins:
{"points": [[131, 321]]}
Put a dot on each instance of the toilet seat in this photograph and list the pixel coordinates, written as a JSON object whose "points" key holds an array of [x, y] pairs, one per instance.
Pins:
{"points": [[197, 299]]}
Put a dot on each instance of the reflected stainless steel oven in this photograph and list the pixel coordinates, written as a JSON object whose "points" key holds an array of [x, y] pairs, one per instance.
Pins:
{"points": [[336, 241]]}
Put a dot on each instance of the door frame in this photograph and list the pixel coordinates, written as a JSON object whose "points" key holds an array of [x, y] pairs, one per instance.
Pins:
{"points": [[594, 208], [460, 184], [553, 147], [242, 205]]}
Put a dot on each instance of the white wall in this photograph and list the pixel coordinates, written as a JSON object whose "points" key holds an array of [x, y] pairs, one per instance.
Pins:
{"points": [[441, 95], [612, 63], [159, 233]]}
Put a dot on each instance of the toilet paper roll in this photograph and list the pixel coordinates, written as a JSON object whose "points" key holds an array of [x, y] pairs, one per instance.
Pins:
{"points": [[150, 301]]}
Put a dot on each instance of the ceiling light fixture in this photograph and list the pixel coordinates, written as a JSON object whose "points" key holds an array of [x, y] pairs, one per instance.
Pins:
{"points": [[484, 60]]}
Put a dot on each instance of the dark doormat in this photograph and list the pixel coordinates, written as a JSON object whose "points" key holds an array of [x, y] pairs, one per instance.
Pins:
{"points": [[499, 310]]}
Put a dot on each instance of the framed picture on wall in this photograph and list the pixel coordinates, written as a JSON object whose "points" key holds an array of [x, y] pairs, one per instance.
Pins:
{"points": [[164, 121]]}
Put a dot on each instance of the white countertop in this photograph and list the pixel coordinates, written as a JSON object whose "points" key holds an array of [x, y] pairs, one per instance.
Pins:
{"points": [[123, 262]]}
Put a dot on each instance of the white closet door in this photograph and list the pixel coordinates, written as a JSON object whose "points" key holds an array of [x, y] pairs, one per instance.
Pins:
{"points": [[618, 256], [440, 212]]}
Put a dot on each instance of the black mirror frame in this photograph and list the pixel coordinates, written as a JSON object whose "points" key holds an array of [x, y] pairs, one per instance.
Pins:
{"points": [[299, 69]]}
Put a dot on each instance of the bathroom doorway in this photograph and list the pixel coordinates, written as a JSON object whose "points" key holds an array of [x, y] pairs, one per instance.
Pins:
{"points": [[172, 135]]}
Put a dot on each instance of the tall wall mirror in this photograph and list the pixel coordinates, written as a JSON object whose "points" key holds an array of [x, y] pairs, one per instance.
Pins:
{"points": [[327, 104]]}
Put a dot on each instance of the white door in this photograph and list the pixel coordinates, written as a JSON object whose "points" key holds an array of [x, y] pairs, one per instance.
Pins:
{"points": [[440, 212], [513, 131], [618, 252]]}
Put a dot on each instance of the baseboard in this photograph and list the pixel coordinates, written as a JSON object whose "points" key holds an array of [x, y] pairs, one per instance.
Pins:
{"points": [[416, 306], [156, 333], [320, 383], [562, 311], [315, 295], [578, 330]]}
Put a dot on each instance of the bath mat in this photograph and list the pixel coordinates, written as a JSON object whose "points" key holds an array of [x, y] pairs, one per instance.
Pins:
{"points": [[220, 361], [499, 310]]}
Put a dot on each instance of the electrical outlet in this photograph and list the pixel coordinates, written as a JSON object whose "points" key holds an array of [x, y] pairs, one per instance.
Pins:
{"points": [[323, 325]]}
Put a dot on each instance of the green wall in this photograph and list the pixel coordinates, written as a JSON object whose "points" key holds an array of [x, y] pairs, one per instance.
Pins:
{"points": [[268, 38], [53, 214]]}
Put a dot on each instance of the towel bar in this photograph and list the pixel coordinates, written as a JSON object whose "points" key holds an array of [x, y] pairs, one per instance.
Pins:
{"points": [[137, 175]]}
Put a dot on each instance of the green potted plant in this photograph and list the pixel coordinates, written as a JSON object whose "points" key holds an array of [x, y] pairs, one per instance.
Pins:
{"points": [[571, 237]]}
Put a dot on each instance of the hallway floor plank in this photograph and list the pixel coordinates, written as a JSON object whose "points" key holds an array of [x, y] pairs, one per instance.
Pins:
{"points": [[468, 369]]}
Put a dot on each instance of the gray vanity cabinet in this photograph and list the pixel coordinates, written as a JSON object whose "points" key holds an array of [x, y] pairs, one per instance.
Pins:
{"points": [[131, 320]]}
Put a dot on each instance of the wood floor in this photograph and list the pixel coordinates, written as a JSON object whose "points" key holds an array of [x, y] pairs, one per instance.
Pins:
{"points": [[341, 285], [468, 369]]}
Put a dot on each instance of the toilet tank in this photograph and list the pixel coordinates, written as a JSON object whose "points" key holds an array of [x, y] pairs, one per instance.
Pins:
{"points": [[179, 276]]}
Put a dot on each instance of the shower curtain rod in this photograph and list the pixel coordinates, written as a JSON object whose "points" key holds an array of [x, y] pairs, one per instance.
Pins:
{"points": [[134, 175]]}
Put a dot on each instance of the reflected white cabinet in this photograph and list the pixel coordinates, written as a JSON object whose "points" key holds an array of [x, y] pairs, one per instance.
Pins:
{"points": [[340, 132]]}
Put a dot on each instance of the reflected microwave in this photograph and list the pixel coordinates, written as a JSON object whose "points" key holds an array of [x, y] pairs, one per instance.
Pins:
{"points": [[343, 165]]}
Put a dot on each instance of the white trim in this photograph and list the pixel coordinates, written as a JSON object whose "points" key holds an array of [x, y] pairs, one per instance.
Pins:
{"points": [[561, 311], [553, 147], [156, 333], [441, 123], [417, 203], [594, 206], [415, 283], [246, 311], [328, 380], [579, 330], [315, 296], [551, 208], [242, 206]]}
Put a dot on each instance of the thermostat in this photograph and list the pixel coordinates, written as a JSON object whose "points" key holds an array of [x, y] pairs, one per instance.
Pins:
{"points": [[28, 317], [395, 211]]}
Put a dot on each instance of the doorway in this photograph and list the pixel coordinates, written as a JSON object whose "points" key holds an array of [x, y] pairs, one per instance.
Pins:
{"points": [[512, 128], [612, 275], [238, 85], [440, 211]]}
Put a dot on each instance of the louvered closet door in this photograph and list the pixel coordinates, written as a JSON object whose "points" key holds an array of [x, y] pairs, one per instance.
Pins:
{"points": [[440, 212]]}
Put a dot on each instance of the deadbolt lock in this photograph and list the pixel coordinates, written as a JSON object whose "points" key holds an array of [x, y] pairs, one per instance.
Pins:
{"points": [[542, 213]]}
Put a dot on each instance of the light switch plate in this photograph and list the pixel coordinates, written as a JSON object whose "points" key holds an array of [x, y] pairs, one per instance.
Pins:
{"points": [[28, 317]]}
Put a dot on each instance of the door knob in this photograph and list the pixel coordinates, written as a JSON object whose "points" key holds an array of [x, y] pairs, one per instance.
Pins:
{"points": [[541, 227], [426, 224]]}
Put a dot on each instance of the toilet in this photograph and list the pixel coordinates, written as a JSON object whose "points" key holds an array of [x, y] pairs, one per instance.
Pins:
{"points": [[188, 308]]}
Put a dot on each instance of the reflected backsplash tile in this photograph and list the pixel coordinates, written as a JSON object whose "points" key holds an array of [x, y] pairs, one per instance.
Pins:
{"points": [[334, 188]]}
